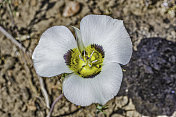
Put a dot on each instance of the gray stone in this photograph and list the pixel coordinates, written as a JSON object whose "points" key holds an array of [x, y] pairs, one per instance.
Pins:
{"points": [[151, 77]]}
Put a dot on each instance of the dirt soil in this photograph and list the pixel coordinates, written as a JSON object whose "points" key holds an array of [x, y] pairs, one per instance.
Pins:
{"points": [[149, 83]]}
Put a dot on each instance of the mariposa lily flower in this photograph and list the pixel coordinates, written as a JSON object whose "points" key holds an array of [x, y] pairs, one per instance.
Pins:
{"points": [[92, 59]]}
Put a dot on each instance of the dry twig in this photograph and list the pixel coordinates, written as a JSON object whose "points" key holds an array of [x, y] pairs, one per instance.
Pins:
{"points": [[28, 57], [12, 39]]}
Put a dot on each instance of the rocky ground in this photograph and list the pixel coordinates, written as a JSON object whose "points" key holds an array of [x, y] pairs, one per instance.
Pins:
{"points": [[149, 84]]}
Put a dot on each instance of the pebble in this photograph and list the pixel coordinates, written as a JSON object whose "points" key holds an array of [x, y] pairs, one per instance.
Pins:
{"points": [[9, 62], [24, 108], [31, 106], [33, 2], [26, 94], [97, 11], [71, 9]]}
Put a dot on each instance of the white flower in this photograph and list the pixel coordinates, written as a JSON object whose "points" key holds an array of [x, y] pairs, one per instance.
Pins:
{"points": [[93, 59]]}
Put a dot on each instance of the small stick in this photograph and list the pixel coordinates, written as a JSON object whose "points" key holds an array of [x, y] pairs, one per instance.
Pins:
{"points": [[45, 94], [12, 39], [53, 104]]}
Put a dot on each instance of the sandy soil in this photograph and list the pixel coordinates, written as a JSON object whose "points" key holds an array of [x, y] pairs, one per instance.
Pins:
{"points": [[149, 84]]}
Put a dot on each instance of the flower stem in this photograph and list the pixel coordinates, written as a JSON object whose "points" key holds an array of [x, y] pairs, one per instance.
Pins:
{"points": [[53, 104]]}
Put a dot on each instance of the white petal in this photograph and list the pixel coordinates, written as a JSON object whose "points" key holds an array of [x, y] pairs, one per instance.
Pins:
{"points": [[48, 55], [100, 89], [110, 34]]}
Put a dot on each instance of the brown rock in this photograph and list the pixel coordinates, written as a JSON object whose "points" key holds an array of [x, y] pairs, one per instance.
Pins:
{"points": [[71, 9], [31, 106]]}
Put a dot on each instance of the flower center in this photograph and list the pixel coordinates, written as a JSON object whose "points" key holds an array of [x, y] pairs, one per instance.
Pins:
{"points": [[87, 63]]}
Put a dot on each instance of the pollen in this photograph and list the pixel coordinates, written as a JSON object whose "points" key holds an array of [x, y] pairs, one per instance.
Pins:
{"points": [[87, 63]]}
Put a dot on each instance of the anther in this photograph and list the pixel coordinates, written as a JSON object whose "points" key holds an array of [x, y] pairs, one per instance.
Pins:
{"points": [[81, 58], [94, 61], [89, 65], [91, 55]]}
